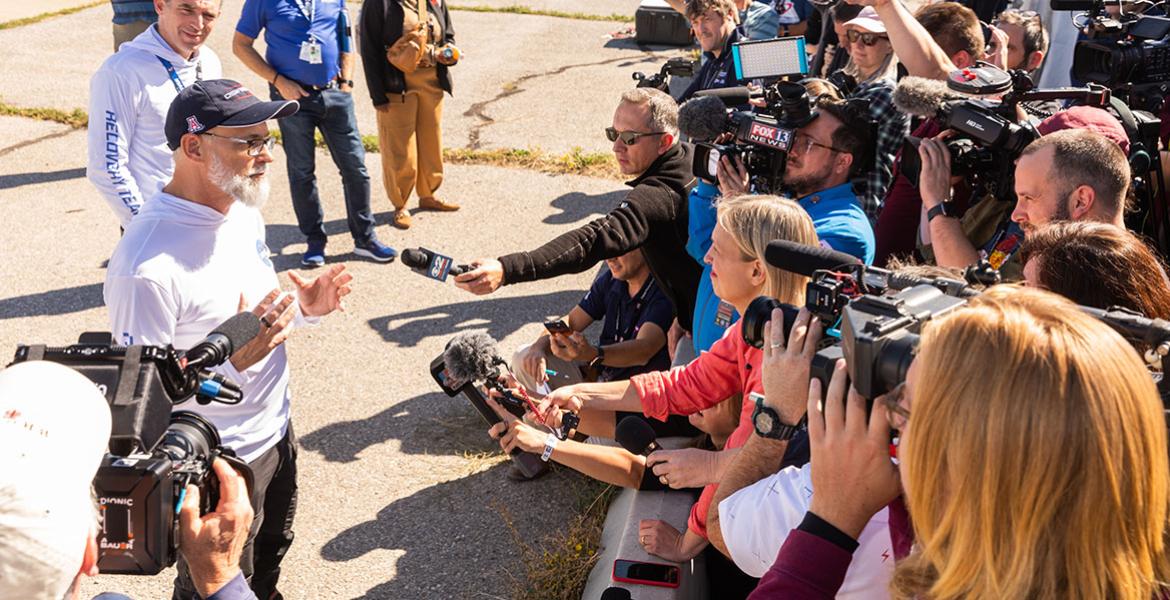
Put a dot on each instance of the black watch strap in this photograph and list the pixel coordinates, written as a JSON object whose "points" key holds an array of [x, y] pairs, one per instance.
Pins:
{"points": [[767, 423], [600, 358], [944, 209]]}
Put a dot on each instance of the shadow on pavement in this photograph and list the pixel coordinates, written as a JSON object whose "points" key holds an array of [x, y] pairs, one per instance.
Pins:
{"points": [[575, 206], [428, 424], [56, 302], [503, 315], [16, 180], [422, 525]]}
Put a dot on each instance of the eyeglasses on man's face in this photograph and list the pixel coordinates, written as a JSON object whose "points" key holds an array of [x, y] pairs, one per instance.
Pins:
{"points": [[628, 138], [255, 145]]}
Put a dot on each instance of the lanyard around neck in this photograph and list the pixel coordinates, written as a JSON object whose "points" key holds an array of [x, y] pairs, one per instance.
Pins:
{"points": [[310, 11], [178, 83]]}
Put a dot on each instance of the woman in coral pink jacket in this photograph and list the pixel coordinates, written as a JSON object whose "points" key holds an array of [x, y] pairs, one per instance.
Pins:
{"points": [[746, 225]]}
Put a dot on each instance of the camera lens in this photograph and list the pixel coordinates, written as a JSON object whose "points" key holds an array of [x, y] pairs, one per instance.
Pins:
{"points": [[893, 361], [759, 312], [189, 436]]}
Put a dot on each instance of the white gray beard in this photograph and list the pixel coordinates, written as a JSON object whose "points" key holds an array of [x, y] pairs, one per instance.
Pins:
{"points": [[253, 193]]}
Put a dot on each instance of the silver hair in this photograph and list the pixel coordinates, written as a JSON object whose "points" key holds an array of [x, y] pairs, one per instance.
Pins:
{"points": [[663, 109]]}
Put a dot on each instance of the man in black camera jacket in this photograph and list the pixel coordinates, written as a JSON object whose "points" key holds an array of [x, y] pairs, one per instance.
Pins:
{"points": [[196, 256], [54, 427], [653, 216]]}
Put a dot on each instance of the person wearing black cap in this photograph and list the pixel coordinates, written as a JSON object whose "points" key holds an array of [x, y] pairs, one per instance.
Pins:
{"points": [[194, 257], [309, 59]]}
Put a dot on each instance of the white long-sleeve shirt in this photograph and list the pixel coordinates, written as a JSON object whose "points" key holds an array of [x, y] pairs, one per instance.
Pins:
{"points": [[129, 160], [176, 274], [756, 520]]}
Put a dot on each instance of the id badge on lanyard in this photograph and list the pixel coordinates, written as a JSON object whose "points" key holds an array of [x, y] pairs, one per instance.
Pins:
{"points": [[311, 48], [175, 80]]}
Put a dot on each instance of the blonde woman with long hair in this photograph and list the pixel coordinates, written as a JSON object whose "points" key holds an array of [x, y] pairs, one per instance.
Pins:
{"points": [[739, 274], [1033, 463]]}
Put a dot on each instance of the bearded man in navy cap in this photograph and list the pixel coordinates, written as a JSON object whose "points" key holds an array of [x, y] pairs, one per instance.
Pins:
{"points": [[195, 256]]}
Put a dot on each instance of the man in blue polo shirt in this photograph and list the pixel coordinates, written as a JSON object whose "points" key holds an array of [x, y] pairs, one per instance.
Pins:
{"points": [[826, 154], [310, 59]]}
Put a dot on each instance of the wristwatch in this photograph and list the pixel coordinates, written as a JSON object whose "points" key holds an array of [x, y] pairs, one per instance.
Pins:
{"points": [[767, 421], [341, 82], [945, 209], [597, 360]]}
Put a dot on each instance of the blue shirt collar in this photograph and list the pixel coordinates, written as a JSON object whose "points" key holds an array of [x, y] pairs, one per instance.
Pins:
{"points": [[835, 193]]}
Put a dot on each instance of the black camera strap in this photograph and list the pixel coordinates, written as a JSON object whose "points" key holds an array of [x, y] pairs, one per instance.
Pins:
{"points": [[128, 377]]}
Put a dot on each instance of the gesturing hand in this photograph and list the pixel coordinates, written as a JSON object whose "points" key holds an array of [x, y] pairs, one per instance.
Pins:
{"points": [[685, 468], [852, 475], [486, 276], [786, 365], [323, 295], [213, 543], [275, 326]]}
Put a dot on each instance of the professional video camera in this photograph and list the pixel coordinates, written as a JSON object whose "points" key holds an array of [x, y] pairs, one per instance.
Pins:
{"points": [[1128, 51], [873, 317], [989, 137], [154, 454], [679, 66], [762, 139]]}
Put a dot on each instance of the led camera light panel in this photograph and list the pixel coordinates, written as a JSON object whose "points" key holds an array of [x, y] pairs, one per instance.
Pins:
{"points": [[770, 58]]}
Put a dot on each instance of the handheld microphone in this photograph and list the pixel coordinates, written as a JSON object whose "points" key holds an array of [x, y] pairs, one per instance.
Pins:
{"points": [[470, 357], [805, 260], [432, 264], [219, 345], [922, 97], [702, 118], [636, 436]]}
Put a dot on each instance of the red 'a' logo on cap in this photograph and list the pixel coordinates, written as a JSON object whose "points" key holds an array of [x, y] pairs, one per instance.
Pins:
{"points": [[193, 124]]}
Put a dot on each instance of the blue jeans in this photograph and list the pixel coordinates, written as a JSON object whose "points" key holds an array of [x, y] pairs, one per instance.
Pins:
{"points": [[332, 112]]}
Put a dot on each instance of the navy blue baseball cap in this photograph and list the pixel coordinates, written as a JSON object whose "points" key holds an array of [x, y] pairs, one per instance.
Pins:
{"points": [[214, 103]]}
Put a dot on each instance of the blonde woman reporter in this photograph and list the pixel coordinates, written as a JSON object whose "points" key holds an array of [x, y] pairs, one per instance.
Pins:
{"points": [[745, 226], [1033, 464]]}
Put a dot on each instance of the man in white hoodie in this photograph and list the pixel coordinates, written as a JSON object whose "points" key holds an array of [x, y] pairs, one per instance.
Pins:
{"points": [[129, 161], [193, 257]]}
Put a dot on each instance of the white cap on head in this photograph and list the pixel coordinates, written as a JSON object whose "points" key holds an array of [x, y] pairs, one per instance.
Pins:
{"points": [[54, 430], [867, 20]]}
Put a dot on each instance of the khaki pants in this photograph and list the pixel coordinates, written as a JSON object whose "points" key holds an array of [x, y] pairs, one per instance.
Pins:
{"points": [[411, 138], [127, 32]]}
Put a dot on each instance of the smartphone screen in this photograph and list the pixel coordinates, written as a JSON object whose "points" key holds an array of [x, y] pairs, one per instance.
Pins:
{"points": [[645, 573]]}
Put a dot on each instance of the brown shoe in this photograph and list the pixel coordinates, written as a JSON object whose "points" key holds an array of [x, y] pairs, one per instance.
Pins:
{"points": [[436, 204], [401, 219]]}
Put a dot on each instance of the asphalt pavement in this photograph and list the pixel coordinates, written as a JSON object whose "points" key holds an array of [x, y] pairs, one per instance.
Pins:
{"points": [[397, 499]]}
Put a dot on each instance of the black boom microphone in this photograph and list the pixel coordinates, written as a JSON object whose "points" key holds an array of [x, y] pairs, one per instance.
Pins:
{"points": [[803, 259], [807, 260], [219, 345], [432, 264], [636, 436], [702, 118]]}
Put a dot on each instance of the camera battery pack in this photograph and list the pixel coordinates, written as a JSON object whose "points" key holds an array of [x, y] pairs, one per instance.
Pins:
{"points": [[655, 22]]}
